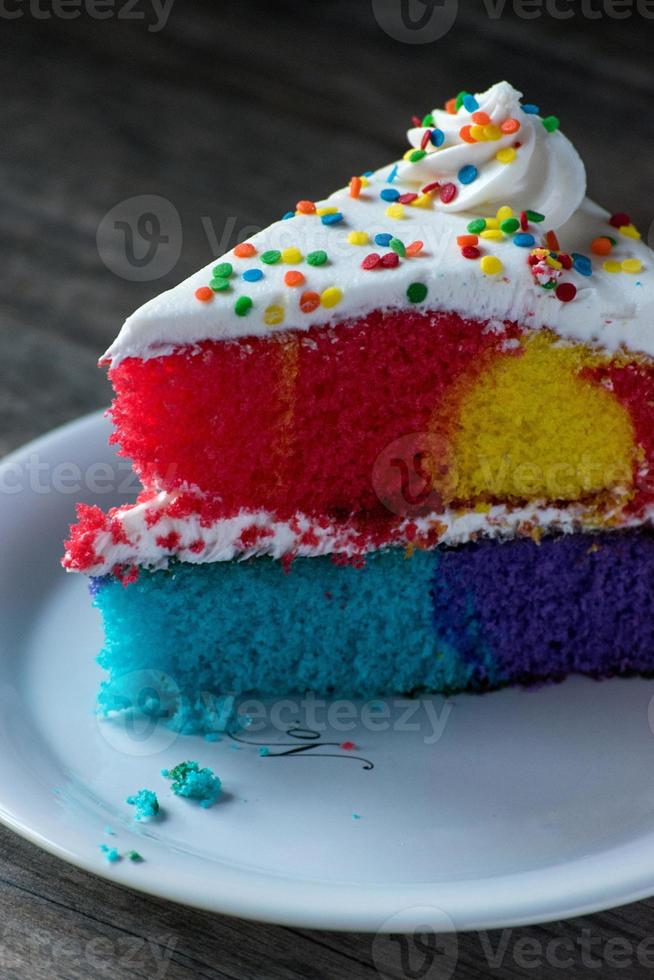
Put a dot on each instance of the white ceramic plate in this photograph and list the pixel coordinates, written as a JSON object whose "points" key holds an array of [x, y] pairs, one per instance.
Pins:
{"points": [[529, 805]]}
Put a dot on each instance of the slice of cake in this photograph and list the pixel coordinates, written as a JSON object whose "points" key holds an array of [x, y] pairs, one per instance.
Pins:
{"points": [[401, 440]]}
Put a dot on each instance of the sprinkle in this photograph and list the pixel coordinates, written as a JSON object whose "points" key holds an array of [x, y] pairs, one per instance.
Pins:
{"points": [[477, 133], [356, 816], [417, 155], [566, 292], [476, 226], [428, 120], [424, 201], [429, 188], [326, 209], [389, 194], [204, 293], [632, 265], [358, 238], [223, 270], [317, 258], [135, 857], [309, 302], [466, 134], [110, 853], [504, 212], [470, 252], [531, 109], [601, 246], [219, 285], [355, 187], [492, 132], [524, 221], [506, 155], [510, 126], [398, 247], [481, 118], [582, 264], [371, 261], [468, 174], [464, 240], [426, 137], [348, 746], [415, 248], [245, 250], [458, 102], [491, 265], [551, 124], [407, 198], [395, 211], [289, 214], [306, 207], [619, 219], [291, 256], [383, 239], [552, 241], [509, 225], [271, 256], [451, 107], [492, 223], [332, 219], [416, 292], [524, 240], [252, 275], [264, 751], [535, 216], [492, 234], [447, 193], [391, 260], [470, 103], [273, 315], [415, 120], [331, 296], [242, 306], [437, 136], [294, 278], [612, 266], [629, 231], [393, 174]]}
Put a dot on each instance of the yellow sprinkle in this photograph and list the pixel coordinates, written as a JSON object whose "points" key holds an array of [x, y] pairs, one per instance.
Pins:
{"points": [[331, 296], [506, 155], [358, 238], [291, 256], [504, 212], [273, 315], [491, 265], [395, 211], [477, 133], [494, 234], [327, 210], [553, 263], [612, 266], [632, 265], [492, 223], [408, 153], [492, 132], [423, 201], [364, 181], [629, 231]]}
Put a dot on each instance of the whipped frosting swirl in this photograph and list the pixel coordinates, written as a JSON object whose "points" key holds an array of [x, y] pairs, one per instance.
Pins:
{"points": [[545, 175]]}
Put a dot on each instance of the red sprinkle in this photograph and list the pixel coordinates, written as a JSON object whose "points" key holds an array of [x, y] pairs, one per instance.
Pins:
{"points": [[470, 252], [524, 221], [348, 746], [309, 302], [390, 260], [448, 192], [416, 120], [426, 136], [428, 188], [371, 261], [565, 260], [407, 198], [566, 291], [204, 293], [552, 241], [619, 220]]}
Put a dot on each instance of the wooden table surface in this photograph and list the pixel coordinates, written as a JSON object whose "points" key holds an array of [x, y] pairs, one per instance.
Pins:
{"points": [[231, 112]]}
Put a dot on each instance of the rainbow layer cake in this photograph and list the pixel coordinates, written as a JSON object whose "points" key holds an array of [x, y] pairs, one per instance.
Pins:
{"points": [[401, 440]]}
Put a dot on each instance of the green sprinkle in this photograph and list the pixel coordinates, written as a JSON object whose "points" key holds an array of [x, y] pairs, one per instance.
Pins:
{"points": [[417, 155], [509, 225], [459, 99], [535, 216], [428, 120], [549, 285], [477, 226], [242, 306], [416, 292], [398, 246], [274, 255], [135, 856], [219, 285], [612, 240], [551, 123], [317, 258], [223, 270]]}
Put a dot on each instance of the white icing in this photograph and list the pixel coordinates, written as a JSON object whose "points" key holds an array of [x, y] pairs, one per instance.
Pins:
{"points": [[609, 311]]}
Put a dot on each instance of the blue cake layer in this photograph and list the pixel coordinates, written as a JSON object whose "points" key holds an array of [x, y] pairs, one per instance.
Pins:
{"points": [[470, 618]]}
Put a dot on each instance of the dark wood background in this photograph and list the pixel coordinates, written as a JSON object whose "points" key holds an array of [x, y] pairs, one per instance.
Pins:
{"points": [[233, 111]]}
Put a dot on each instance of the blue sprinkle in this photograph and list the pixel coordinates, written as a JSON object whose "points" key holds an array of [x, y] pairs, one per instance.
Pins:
{"points": [[437, 137], [383, 239], [289, 214], [367, 173], [264, 750], [582, 264], [470, 103], [467, 174], [332, 219], [356, 816], [110, 853], [392, 175], [531, 109], [524, 240], [252, 275], [389, 194]]}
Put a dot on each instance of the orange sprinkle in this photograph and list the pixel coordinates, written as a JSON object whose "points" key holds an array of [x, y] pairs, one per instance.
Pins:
{"points": [[464, 240], [601, 246], [204, 293], [466, 135], [510, 126], [415, 248], [481, 118], [552, 241], [355, 187], [450, 107], [305, 207], [293, 278], [309, 302], [245, 250]]}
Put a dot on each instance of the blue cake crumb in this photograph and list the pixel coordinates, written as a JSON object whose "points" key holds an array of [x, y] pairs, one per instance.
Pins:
{"points": [[146, 803], [110, 853], [194, 783]]}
